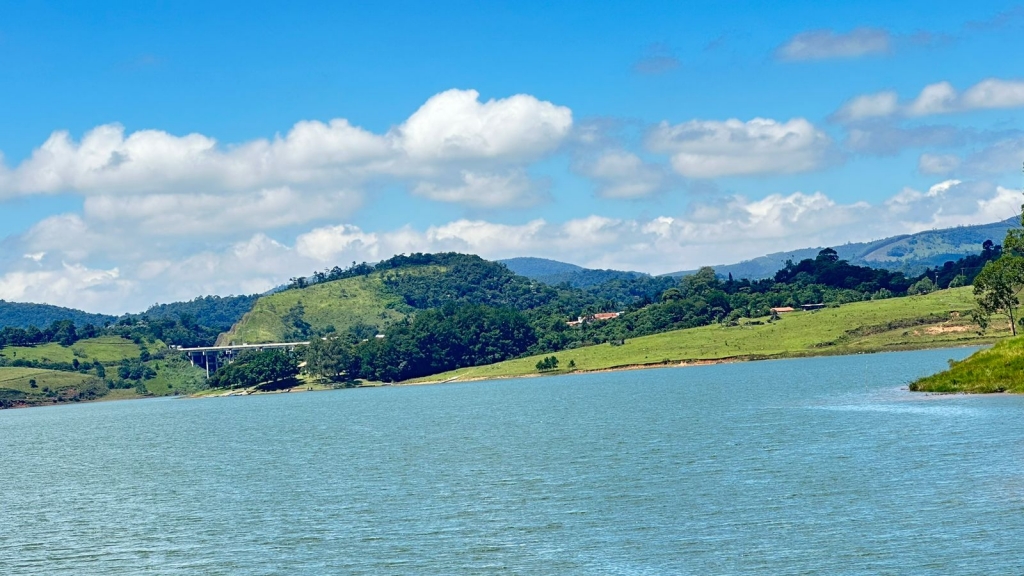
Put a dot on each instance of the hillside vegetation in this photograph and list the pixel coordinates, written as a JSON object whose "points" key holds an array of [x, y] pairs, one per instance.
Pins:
{"points": [[35, 386], [933, 320], [219, 312], [997, 369], [339, 305], [23, 315]]}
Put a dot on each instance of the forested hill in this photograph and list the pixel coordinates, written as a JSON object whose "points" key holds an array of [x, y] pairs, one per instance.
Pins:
{"points": [[415, 315], [23, 315], [909, 254], [554, 272], [219, 312]]}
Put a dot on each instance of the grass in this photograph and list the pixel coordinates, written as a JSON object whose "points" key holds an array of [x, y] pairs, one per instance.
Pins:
{"points": [[997, 369], [342, 303], [51, 386], [933, 320], [107, 349]]}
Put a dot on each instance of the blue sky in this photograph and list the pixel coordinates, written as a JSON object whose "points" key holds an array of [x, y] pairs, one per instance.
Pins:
{"points": [[161, 151]]}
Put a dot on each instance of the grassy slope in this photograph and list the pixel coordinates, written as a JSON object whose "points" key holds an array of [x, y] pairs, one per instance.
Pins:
{"points": [[107, 349], [898, 323], [62, 384], [997, 369], [172, 376], [341, 303]]}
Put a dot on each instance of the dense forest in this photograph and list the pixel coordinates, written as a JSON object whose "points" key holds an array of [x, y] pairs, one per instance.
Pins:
{"points": [[218, 312], [23, 315]]}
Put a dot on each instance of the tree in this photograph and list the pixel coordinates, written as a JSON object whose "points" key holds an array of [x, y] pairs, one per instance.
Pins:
{"points": [[997, 289], [548, 363], [998, 286], [327, 359], [922, 286], [827, 255]]}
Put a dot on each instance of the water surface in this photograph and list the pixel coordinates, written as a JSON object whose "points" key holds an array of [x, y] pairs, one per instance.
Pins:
{"points": [[811, 466]]}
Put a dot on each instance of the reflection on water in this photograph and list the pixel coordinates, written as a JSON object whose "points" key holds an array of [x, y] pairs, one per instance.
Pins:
{"points": [[814, 466]]}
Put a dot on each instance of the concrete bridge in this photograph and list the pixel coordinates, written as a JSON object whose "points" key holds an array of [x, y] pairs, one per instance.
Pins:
{"points": [[217, 355]]}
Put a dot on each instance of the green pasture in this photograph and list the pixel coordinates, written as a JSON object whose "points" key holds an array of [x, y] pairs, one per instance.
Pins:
{"points": [[933, 320]]}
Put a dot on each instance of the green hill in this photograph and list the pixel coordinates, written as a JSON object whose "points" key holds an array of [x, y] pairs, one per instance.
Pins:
{"points": [[341, 304], [934, 320], [998, 369], [365, 300], [219, 312], [23, 315]]}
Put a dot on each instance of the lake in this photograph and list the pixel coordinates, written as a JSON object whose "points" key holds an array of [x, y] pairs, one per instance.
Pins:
{"points": [[810, 466]]}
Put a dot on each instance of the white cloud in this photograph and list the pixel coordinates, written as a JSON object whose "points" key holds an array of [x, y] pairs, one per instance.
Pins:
{"points": [[709, 149], [622, 174], [937, 164], [994, 93], [215, 215], [937, 98], [327, 243], [828, 44], [452, 132], [455, 125], [877, 105], [725, 229], [73, 285], [510, 188]]}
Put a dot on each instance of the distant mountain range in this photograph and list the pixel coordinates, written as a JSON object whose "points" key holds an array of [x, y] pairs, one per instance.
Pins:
{"points": [[554, 272], [907, 253], [22, 315], [213, 311]]}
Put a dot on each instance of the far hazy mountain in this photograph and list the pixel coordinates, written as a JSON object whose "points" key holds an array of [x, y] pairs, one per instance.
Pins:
{"points": [[23, 315], [554, 272], [909, 253]]}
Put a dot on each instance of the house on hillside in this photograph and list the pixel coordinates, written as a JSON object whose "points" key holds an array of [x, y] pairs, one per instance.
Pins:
{"points": [[599, 317], [783, 309]]}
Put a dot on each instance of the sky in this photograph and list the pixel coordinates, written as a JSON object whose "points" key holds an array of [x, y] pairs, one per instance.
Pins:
{"points": [[159, 151]]}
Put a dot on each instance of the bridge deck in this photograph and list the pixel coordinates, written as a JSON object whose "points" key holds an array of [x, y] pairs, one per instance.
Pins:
{"points": [[244, 347]]}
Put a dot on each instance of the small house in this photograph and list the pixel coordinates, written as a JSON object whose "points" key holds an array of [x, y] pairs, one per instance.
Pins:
{"points": [[783, 309]]}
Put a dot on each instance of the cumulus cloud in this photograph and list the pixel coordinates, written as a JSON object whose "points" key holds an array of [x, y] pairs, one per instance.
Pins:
{"points": [[709, 149], [511, 188], [937, 98], [73, 285], [622, 174], [719, 230], [451, 132], [829, 44], [215, 215], [455, 125]]}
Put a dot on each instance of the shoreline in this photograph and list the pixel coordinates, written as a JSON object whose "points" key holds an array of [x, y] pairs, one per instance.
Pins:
{"points": [[696, 362], [687, 363]]}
